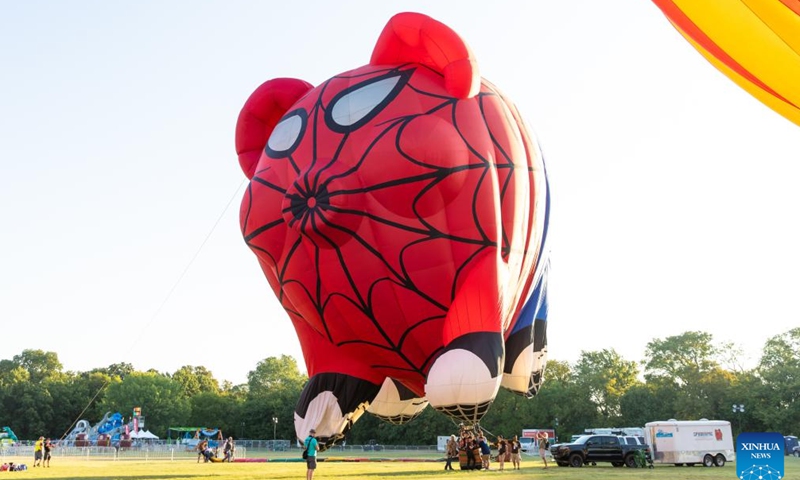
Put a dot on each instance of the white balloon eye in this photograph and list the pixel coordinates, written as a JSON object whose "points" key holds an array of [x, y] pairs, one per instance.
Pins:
{"points": [[353, 107], [287, 134]]}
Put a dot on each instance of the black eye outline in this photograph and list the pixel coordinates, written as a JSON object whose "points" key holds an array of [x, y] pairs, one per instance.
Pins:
{"points": [[303, 125], [402, 79]]}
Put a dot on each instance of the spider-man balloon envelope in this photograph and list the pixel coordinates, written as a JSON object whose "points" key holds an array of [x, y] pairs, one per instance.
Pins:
{"points": [[756, 43], [399, 211]]}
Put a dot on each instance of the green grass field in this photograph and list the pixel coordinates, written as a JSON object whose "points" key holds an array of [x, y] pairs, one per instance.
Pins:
{"points": [[74, 468]]}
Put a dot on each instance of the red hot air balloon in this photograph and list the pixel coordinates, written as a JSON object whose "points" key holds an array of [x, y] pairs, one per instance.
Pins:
{"points": [[399, 212]]}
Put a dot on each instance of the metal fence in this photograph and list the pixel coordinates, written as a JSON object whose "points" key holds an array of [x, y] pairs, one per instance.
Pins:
{"points": [[149, 452], [171, 451]]}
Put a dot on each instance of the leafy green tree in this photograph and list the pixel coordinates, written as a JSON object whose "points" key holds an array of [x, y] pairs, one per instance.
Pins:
{"points": [[558, 371], [779, 370], [560, 398], [570, 403], [606, 376], [161, 398], [12, 372], [273, 389], [275, 374], [196, 380], [27, 406], [218, 410], [115, 370], [40, 365], [647, 403], [29, 410], [682, 358], [749, 389]]}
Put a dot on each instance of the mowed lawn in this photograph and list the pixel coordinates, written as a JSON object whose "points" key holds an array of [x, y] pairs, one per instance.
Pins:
{"points": [[73, 468]]}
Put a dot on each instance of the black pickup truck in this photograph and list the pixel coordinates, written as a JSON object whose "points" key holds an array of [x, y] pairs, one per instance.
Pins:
{"points": [[597, 448]]}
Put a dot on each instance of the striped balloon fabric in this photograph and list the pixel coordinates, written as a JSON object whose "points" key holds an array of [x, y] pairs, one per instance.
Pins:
{"points": [[756, 43]]}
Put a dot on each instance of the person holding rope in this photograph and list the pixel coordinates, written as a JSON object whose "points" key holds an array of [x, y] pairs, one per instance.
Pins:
{"points": [[486, 451], [203, 451]]}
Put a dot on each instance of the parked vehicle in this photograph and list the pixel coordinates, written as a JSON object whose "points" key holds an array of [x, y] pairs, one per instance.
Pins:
{"points": [[790, 443], [441, 442], [528, 443], [690, 442], [624, 431], [597, 448], [625, 440], [632, 440], [554, 446]]}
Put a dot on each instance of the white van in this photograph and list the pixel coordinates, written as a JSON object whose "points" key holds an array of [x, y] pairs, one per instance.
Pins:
{"points": [[528, 440], [690, 442], [527, 445]]}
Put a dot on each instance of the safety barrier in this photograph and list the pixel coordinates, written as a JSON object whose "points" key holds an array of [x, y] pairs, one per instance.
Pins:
{"points": [[252, 449], [150, 452]]}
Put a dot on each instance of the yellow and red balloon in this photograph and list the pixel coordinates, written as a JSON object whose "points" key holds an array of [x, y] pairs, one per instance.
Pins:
{"points": [[756, 43]]}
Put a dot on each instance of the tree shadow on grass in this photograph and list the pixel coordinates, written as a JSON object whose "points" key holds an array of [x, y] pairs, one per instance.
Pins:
{"points": [[404, 473]]}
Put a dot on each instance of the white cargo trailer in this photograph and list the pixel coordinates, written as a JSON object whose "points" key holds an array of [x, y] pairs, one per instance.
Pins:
{"points": [[441, 443], [690, 442]]}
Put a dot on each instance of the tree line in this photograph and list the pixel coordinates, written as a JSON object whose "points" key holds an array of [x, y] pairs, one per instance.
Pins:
{"points": [[686, 377]]}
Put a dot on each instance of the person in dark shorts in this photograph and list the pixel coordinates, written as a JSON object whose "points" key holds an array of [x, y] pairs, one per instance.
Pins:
{"points": [[229, 450], [202, 446], [48, 446], [311, 447]]}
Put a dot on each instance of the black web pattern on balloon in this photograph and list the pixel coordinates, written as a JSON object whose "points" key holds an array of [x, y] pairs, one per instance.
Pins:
{"points": [[398, 419], [310, 206], [471, 413]]}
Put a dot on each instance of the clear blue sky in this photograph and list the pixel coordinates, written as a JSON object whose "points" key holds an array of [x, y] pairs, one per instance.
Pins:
{"points": [[674, 192]]}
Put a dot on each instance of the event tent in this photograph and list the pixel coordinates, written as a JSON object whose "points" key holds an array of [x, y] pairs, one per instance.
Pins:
{"points": [[144, 435]]}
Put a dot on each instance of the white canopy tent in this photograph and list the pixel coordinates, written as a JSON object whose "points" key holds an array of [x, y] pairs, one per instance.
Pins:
{"points": [[144, 435]]}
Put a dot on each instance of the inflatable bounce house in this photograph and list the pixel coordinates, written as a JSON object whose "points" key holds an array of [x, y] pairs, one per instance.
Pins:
{"points": [[7, 437], [112, 430]]}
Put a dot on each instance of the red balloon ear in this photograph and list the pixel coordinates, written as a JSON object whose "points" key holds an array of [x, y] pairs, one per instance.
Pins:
{"points": [[261, 112], [414, 37]]}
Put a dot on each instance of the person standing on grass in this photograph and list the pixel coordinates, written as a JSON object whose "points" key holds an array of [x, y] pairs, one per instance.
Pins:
{"points": [[451, 451], [229, 449], [502, 450], [486, 452], [515, 447], [38, 448], [543, 447], [48, 446], [311, 447]]}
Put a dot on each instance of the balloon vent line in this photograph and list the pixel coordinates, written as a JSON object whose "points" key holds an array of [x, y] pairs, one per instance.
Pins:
{"points": [[185, 270], [155, 314]]}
